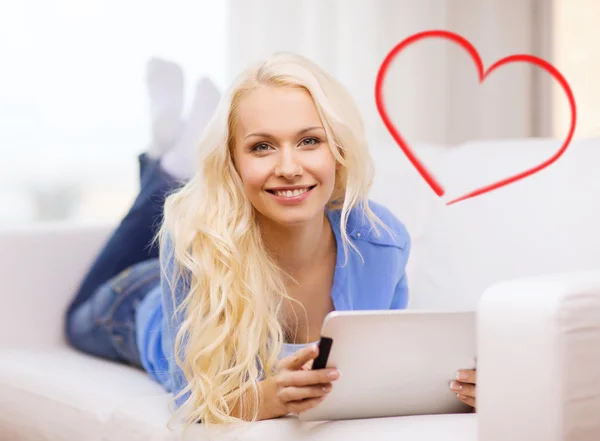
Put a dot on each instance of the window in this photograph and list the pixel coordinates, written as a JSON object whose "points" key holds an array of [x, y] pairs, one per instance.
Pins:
{"points": [[73, 102], [576, 55]]}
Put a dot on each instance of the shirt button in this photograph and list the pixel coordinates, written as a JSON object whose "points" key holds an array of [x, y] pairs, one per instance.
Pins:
{"points": [[358, 234]]}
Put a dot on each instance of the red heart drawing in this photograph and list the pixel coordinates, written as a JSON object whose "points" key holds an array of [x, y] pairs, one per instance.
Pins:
{"points": [[426, 174]]}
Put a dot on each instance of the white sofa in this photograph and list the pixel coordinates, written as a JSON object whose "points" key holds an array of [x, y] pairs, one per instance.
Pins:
{"points": [[526, 256]]}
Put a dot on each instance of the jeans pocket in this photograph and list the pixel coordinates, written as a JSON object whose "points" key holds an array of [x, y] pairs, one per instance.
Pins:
{"points": [[123, 339]]}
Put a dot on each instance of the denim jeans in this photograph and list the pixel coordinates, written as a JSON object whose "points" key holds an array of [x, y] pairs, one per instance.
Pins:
{"points": [[101, 317], [104, 325]]}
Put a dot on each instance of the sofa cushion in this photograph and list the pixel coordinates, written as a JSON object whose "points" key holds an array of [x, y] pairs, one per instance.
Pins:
{"points": [[61, 394], [543, 224]]}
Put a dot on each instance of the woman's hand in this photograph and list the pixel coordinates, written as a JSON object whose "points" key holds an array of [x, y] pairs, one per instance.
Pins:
{"points": [[465, 386], [296, 388]]}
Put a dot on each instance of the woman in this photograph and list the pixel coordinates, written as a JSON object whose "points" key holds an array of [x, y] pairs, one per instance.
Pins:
{"points": [[273, 232]]}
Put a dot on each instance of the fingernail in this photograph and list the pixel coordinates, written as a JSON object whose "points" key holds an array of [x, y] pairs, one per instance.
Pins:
{"points": [[461, 375], [314, 348], [326, 389], [455, 386], [333, 375]]}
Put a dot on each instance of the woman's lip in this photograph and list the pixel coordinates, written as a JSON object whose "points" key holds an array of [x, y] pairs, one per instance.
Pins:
{"points": [[291, 188], [293, 199]]}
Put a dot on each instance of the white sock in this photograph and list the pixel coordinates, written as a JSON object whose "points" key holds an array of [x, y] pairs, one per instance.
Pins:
{"points": [[180, 160], [164, 80]]}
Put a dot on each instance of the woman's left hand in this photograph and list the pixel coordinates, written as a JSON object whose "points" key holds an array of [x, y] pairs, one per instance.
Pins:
{"points": [[465, 386]]}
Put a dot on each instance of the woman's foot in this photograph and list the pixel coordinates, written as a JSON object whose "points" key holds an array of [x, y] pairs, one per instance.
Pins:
{"points": [[180, 160], [164, 80]]}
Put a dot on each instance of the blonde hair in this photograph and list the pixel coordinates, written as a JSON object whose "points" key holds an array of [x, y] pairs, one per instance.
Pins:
{"points": [[231, 328]]}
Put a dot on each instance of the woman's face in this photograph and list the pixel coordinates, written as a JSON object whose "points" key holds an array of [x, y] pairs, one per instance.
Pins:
{"points": [[282, 155]]}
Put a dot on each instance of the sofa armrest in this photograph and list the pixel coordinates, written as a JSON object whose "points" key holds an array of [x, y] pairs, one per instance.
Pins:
{"points": [[539, 359], [41, 268]]}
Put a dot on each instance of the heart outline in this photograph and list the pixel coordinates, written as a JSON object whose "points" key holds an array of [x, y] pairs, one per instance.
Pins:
{"points": [[483, 74]]}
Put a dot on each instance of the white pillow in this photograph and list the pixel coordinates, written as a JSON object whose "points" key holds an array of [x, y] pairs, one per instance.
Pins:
{"points": [[543, 224]]}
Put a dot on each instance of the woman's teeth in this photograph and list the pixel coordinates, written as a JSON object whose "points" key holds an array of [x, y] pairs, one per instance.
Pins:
{"points": [[291, 193]]}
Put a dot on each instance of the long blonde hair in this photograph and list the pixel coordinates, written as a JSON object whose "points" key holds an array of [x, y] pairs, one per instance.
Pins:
{"points": [[231, 330]]}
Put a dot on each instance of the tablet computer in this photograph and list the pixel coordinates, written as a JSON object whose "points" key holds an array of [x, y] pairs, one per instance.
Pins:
{"points": [[394, 363]]}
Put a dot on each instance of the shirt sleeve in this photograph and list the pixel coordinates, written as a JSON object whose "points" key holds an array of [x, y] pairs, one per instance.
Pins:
{"points": [[172, 298]]}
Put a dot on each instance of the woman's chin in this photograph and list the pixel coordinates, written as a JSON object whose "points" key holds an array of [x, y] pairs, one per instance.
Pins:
{"points": [[293, 217]]}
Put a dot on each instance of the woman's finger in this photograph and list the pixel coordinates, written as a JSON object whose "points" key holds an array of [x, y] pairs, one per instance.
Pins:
{"points": [[298, 407], [308, 365], [467, 376], [469, 401], [299, 358], [303, 378], [303, 393], [463, 388]]}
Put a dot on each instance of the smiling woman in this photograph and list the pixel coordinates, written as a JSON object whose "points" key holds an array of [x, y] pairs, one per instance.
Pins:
{"points": [[266, 242], [273, 232]]}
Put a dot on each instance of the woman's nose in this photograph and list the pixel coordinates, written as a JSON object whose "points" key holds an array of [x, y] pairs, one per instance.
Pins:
{"points": [[288, 165]]}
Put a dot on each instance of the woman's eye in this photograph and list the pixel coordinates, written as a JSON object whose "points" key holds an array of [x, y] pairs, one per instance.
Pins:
{"points": [[261, 147], [310, 141]]}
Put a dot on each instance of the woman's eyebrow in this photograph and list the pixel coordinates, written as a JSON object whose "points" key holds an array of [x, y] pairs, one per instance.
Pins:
{"points": [[267, 135]]}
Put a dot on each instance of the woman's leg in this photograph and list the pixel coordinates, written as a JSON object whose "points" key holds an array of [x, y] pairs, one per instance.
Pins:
{"points": [[131, 242], [101, 318]]}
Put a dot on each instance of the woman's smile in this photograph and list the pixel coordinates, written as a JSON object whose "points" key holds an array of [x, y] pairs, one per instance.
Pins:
{"points": [[291, 195]]}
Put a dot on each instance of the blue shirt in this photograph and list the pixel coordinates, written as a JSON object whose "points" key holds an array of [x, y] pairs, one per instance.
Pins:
{"points": [[377, 281]]}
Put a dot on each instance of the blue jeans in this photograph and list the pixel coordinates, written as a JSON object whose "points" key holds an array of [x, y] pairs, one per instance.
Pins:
{"points": [[101, 317]]}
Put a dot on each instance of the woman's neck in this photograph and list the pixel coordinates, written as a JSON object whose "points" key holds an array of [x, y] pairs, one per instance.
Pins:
{"points": [[296, 248]]}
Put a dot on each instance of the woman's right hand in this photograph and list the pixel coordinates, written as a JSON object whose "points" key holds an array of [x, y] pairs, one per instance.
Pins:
{"points": [[296, 388]]}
